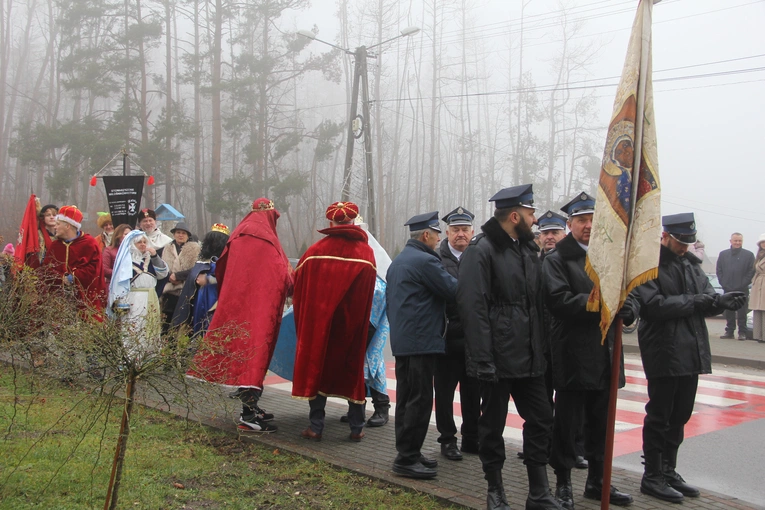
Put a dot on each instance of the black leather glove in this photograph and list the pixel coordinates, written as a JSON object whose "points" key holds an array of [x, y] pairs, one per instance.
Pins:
{"points": [[732, 301], [627, 315], [703, 302]]}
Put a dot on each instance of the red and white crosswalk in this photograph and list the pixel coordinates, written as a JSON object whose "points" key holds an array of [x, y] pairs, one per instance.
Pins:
{"points": [[724, 399]]}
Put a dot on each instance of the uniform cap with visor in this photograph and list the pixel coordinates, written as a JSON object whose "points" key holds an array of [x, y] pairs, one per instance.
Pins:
{"points": [[581, 204], [551, 221], [682, 227], [423, 221], [522, 195], [459, 216]]}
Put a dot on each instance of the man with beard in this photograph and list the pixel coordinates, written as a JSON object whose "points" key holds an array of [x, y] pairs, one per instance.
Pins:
{"points": [[674, 347], [581, 363], [450, 369], [499, 297]]}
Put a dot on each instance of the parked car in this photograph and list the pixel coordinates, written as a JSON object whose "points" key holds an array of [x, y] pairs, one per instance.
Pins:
{"points": [[715, 283]]}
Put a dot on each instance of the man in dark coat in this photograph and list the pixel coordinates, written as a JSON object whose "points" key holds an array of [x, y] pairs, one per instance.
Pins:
{"points": [[735, 270], [674, 345], [418, 289], [450, 369], [581, 364], [499, 297]]}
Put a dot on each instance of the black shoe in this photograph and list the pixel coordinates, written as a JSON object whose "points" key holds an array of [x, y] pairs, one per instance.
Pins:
{"points": [[495, 495], [416, 470], [676, 481], [378, 419], [344, 418], [469, 446], [428, 463], [450, 451], [727, 336], [615, 497], [262, 414], [581, 463], [660, 489]]}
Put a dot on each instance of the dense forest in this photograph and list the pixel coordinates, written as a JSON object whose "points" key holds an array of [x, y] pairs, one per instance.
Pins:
{"points": [[222, 102]]}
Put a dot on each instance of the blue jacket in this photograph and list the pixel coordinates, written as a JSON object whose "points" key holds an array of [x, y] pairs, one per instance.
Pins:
{"points": [[418, 289]]}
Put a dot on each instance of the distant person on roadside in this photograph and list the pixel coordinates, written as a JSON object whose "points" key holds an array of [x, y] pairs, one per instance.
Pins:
{"points": [[757, 300], [699, 249], [735, 269], [674, 347]]}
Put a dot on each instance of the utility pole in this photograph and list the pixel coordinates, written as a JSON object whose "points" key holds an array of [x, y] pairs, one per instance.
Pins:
{"points": [[360, 74], [360, 78]]}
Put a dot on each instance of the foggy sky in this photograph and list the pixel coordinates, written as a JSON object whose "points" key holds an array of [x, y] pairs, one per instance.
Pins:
{"points": [[708, 128]]}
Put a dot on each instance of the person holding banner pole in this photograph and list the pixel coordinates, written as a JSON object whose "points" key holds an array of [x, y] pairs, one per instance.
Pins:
{"points": [[582, 365], [674, 347]]}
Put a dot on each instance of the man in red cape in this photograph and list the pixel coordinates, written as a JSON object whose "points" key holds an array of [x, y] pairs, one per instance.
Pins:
{"points": [[254, 279], [334, 288], [74, 262]]}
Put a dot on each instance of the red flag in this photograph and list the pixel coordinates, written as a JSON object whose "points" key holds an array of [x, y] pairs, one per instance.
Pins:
{"points": [[29, 241]]}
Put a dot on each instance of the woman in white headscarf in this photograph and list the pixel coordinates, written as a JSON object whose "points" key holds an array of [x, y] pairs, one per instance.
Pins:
{"points": [[132, 293]]}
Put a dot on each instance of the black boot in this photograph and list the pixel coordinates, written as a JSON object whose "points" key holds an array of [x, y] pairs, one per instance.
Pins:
{"points": [[495, 497], [379, 418], [673, 477], [564, 492], [539, 497], [653, 482], [593, 487]]}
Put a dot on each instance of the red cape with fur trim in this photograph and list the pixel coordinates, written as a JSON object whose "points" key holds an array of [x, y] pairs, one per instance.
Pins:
{"points": [[334, 287], [254, 279]]}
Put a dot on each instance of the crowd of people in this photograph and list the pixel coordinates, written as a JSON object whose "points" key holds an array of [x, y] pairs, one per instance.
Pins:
{"points": [[502, 313]]}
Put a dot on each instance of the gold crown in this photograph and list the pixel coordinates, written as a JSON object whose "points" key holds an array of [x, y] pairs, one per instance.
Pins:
{"points": [[263, 204], [220, 227]]}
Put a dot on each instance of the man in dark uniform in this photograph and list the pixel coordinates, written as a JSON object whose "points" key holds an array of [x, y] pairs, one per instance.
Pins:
{"points": [[674, 346], [581, 364], [552, 229], [450, 369], [418, 289], [499, 297]]}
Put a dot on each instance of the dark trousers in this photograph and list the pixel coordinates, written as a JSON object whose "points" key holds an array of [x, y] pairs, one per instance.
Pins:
{"points": [[356, 414], [530, 397], [737, 316], [669, 407], [571, 408], [414, 402], [380, 401], [449, 372]]}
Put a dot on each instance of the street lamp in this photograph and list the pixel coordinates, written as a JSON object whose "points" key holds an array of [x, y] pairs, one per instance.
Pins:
{"points": [[360, 75]]}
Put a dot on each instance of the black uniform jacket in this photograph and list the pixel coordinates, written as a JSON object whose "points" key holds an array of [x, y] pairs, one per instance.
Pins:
{"points": [[673, 335], [499, 297], [455, 335], [417, 291], [580, 362]]}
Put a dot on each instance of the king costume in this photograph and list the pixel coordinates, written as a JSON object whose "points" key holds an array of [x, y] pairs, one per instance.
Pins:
{"points": [[334, 289], [254, 278], [78, 260]]}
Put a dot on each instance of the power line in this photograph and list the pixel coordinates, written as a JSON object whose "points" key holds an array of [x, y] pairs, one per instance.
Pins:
{"points": [[551, 88], [717, 213]]}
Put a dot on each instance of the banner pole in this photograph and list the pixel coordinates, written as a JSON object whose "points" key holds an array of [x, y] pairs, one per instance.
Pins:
{"points": [[608, 459]]}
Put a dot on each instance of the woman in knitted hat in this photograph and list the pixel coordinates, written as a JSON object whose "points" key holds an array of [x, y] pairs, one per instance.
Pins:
{"points": [[104, 223]]}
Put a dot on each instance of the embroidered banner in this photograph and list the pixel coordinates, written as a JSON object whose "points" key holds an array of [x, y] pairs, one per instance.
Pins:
{"points": [[626, 226]]}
